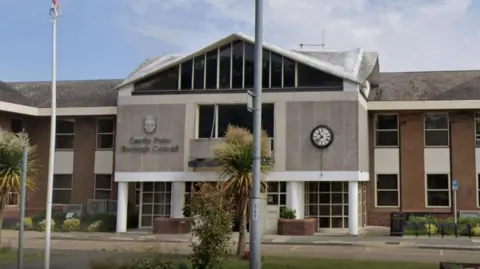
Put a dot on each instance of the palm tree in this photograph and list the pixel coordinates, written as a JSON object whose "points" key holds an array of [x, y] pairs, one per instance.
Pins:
{"points": [[11, 158], [235, 156]]}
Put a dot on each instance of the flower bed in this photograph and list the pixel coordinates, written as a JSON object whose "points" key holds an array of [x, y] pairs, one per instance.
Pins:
{"points": [[431, 226]]}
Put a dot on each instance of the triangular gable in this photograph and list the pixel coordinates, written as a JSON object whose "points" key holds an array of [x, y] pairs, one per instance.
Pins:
{"points": [[164, 62]]}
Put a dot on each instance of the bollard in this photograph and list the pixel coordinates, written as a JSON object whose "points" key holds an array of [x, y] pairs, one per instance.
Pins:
{"points": [[429, 232], [469, 230], [442, 231], [416, 229], [456, 230]]}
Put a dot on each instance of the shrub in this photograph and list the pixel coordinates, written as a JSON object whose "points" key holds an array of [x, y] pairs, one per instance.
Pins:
{"points": [[27, 224], [95, 226], [476, 230], [71, 225], [431, 228], [212, 223], [287, 213], [149, 263], [42, 225]]}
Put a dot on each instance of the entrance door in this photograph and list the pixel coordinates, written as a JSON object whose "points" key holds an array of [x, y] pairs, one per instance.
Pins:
{"points": [[155, 200], [328, 202]]}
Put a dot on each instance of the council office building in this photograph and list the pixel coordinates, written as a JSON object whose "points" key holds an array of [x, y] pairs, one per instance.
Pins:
{"points": [[350, 144]]}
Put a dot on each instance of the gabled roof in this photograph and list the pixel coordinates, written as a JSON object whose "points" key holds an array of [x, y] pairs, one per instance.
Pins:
{"points": [[349, 65]]}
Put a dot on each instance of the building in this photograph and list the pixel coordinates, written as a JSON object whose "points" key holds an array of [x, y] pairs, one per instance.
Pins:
{"points": [[350, 144]]}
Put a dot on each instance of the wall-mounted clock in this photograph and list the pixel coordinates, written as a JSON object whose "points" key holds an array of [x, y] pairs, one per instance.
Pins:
{"points": [[321, 136]]}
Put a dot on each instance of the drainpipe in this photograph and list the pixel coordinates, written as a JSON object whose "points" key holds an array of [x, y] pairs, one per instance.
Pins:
{"points": [[450, 161], [400, 174]]}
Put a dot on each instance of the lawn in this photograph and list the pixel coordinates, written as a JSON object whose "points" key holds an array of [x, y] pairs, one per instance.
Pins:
{"points": [[306, 263], [8, 255]]}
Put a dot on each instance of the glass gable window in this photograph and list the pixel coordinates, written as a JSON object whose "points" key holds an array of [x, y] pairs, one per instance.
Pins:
{"points": [[163, 81], [231, 66]]}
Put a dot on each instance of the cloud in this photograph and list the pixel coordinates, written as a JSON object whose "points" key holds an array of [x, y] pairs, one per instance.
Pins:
{"points": [[408, 34]]}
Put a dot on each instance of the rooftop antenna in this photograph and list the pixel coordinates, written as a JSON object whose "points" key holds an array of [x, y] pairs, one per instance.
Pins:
{"points": [[316, 45]]}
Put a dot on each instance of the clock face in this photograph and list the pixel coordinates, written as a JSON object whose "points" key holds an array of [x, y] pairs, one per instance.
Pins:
{"points": [[321, 136]]}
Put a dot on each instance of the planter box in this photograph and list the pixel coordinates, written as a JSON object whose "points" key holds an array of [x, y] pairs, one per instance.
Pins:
{"points": [[171, 226], [297, 226], [448, 265]]}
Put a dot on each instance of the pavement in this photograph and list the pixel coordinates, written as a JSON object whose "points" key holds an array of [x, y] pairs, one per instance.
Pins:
{"points": [[365, 240]]}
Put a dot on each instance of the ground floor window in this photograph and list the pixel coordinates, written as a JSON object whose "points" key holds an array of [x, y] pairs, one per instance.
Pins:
{"points": [[478, 191], [62, 189], [138, 186], [103, 187], [328, 202], [438, 190], [13, 198], [277, 194], [155, 201], [387, 190]]}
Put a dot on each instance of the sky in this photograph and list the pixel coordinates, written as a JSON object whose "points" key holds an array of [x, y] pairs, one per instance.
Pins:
{"points": [[104, 39]]}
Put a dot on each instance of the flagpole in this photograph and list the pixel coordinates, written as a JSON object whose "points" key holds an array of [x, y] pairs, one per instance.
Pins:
{"points": [[54, 12]]}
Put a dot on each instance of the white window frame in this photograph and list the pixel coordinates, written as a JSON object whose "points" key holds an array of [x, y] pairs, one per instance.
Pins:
{"points": [[138, 195], [17, 194], [376, 131], [477, 132], [377, 190], [64, 189], [425, 130], [278, 192], [444, 190], [66, 134], [95, 189], [105, 134]]}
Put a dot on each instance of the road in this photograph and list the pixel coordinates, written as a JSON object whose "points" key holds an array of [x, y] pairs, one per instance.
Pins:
{"points": [[77, 254]]}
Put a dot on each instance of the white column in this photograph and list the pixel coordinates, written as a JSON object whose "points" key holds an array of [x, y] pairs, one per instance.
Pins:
{"points": [[177, 199], [122, 207], [296, 197], [353, 207]]}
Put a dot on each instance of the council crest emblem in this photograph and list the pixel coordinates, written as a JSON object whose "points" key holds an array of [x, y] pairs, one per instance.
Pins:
{"points": [[149, 124]]}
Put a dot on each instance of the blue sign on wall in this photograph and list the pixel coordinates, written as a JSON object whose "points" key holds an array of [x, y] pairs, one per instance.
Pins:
{"points": [[454, 184]]}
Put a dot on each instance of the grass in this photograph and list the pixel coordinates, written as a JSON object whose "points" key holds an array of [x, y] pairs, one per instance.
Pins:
{"points": [[8, 255], [305, 263]]}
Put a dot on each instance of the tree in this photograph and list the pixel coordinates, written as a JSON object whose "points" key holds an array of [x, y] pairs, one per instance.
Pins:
{"points": [[211, 222], [11, 159], [235, 156]]}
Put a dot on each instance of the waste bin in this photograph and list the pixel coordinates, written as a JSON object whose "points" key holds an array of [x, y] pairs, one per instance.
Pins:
{"points": [[396, 224]]}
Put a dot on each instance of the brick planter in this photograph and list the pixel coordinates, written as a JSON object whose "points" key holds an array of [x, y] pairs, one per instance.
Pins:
{"points": [[297, 226], [171, 226]]}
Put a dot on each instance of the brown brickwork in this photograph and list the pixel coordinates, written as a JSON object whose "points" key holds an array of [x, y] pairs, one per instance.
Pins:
{"points": [[84, 159], [297, 226]]}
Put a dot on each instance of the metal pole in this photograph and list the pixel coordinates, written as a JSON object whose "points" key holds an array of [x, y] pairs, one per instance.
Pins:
{"points": [[53, 122], [23, 194], [455, 206], [255, 232]]}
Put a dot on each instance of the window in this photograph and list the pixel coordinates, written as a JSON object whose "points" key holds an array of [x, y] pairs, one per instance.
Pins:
{"points": [[276, 74], [327, 202], [311, 77], [386, 130], [387, 190], [277, 194], [237, 65], [478, 191], [436, 129], [186, 82], [477, 129], [438, 190], [266, 69], [156, 197], [164, 81], [137, 193], [288, 73], [105, 133], [199, 72], [65, 134], [224, 69], [103, 187], [13, 199], [249, 65], [211, 71], [62, 189], [211, 124], [16, 126]]}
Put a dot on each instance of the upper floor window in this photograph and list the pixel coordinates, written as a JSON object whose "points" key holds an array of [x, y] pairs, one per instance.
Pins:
{"points": [[213, 120], [231, 67], [477, 129], [436, 129], [386, 130], [16, 126], [105, 133], [65, 134]]}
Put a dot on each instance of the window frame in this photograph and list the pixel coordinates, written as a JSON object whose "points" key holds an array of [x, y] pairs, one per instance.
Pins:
{"points": [[478, 190], [63, 189], [375, 130], [377, 190], [17, 199], [95, 189], [278, 192], [98, 134], [65, 134], [476, 118], [425, 130], [438, 190]]}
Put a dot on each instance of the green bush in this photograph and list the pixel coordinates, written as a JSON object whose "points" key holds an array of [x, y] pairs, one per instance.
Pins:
{"points": [[287, 213], [42, 225], [27, 224], [95, 226], [71, 225], [476, 230], [149, 263], [421, 225]]}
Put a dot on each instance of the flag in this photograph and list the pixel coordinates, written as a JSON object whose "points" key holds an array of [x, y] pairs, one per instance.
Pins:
{"points": [[55, 10]]}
